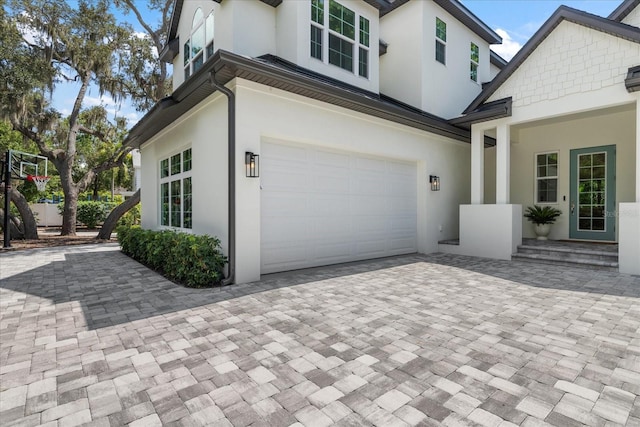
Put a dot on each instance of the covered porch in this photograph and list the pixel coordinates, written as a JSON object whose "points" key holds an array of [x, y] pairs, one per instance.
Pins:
{"points": [[582, 158]]}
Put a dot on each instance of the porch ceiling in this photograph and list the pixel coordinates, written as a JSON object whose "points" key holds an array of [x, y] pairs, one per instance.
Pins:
{"points": [[575, 116]]}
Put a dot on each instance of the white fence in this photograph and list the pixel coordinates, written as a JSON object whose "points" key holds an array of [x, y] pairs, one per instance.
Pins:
{"points": [[46, 214]]}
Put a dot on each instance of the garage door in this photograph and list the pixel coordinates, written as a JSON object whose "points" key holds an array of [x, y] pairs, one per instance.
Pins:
{"points": [[321, 207]]}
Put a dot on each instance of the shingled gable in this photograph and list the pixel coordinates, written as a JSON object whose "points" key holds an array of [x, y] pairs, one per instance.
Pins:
{"points": [[563, 13]]}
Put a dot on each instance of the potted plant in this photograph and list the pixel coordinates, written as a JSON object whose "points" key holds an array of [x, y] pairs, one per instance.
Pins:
{"points": [[542, 217]]}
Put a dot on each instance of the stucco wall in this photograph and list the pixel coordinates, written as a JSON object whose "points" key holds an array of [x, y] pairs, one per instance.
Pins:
{"points": [[448, 89], [615, 127], [558, 67], [633, 18], [409, 70], [204, 129]]}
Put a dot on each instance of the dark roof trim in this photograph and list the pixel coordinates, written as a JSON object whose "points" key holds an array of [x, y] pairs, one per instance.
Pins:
{"points": [[462, 14], [563, 13], [497, 60], [170, 50], [632, 82], [623, 10], [489, 111], [274, 72]]}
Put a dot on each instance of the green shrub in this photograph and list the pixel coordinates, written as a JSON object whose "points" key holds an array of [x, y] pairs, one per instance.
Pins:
{"points": [[131, 218], [90, 213], [191, 260]]}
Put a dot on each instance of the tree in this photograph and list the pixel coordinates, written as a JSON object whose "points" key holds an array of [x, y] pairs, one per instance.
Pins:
{"points": [[45, 42], [153, 80]]}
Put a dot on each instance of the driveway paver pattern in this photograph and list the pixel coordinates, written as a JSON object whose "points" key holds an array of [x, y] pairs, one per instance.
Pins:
{"points": [[88, 336]]}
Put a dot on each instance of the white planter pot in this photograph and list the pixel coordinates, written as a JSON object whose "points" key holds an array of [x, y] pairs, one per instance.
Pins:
{"points": [[542, 230]]}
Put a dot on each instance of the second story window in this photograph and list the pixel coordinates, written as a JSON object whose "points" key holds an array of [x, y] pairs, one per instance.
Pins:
{"points": [[441, 41], [199, 47], [475, 59], [346, 37]]}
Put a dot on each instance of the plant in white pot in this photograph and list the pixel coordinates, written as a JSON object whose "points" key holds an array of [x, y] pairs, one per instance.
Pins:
{"points": [[542, 217]]}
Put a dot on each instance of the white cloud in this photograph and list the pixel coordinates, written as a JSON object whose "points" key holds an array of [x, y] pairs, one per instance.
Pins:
{"points": [[104, 100], [509, 46]]}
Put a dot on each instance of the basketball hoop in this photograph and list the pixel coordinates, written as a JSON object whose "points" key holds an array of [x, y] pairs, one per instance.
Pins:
{"points": [[39, 181]]}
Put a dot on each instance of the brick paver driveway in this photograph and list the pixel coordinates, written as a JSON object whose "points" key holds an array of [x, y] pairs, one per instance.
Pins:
{"points": [[90, 336]]}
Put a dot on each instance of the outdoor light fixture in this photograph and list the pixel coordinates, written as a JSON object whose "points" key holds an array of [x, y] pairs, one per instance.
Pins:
{"points": [[252, 163], [435, 182]]}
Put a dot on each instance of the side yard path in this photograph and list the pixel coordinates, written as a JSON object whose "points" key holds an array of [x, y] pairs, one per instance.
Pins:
{"points": [[88, 336]]}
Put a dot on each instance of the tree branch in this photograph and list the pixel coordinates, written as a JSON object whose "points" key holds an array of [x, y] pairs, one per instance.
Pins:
{"points": [[114, 161], [101, 136], [46, 151]]}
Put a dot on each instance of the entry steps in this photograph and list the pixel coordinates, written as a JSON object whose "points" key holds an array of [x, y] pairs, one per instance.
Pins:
{"points": [[568, 255]]}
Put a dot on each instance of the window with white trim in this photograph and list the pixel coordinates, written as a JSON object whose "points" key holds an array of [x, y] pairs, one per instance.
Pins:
{"points": [[176, 195], [547, 177], [199, 47], [441, 41], [343, 33], [475, 60]]}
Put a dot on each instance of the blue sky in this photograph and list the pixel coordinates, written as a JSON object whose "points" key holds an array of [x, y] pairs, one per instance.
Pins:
{"points": [[515, 20]]}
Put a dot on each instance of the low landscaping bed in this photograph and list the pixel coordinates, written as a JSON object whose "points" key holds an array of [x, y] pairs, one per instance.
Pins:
{"points": [[191, 260]]}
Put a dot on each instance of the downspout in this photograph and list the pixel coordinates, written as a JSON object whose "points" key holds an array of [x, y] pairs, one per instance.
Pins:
{"points": [[231, 116]]}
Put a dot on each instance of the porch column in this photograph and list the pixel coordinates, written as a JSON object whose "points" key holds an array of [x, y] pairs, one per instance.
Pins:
{"points": [[503, 163], [477, 166]]}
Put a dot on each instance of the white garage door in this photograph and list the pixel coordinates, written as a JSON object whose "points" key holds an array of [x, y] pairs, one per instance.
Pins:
{"points": [[323, 207]]}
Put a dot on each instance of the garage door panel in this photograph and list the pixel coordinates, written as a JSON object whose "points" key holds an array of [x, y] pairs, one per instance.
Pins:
{"points": [[329, 205], [285, 204], [342, 207], [372, 165], [331, 159], [286, 230], [332, 252]]}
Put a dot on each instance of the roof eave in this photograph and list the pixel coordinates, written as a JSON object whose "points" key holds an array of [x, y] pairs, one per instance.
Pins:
{"points": [[231, 66], [623, 10], [491, 111]]}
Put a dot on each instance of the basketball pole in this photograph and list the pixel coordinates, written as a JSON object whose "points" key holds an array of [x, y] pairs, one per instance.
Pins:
{"points": [[7, 202]]}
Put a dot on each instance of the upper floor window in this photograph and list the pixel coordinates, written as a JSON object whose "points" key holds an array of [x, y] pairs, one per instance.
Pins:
{"points": [[475, 59], [199, 47], [346, 36], [441, 41], [176, 195]]}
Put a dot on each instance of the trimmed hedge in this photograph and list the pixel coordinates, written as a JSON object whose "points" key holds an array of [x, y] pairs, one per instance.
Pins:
{"points": [[191, 260]]}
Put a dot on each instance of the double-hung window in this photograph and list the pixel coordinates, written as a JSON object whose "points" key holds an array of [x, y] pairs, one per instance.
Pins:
{"points": [[475, 59], [345, 34], [547, 177], [199, 47], [176, 195], [441, 41]]}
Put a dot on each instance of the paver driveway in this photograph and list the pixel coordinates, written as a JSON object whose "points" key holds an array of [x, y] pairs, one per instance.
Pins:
{"points": [[90, 336]]}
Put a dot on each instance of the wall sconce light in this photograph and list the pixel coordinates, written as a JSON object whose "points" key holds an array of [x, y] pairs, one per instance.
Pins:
{"points": [[252, 164], [435, 182]]}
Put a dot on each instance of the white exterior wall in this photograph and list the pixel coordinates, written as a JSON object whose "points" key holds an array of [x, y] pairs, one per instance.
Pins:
{"points": [[294, 41], [409, 71], [613, 128], [267, 114], [493, 71], [242, 27], [558, 69], [633, 18], [448, 89], [204, 129], [401, 67]]}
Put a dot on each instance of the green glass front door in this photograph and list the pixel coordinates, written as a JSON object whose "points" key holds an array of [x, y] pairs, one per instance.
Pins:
{"points": [[593, 193]]}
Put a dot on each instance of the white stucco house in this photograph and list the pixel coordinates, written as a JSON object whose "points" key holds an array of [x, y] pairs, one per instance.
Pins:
{"points": [[312, 132]]}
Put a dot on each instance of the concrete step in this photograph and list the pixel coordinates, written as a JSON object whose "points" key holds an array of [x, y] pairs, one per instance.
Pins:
{"points": [[571, 262], [569, 253]]}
